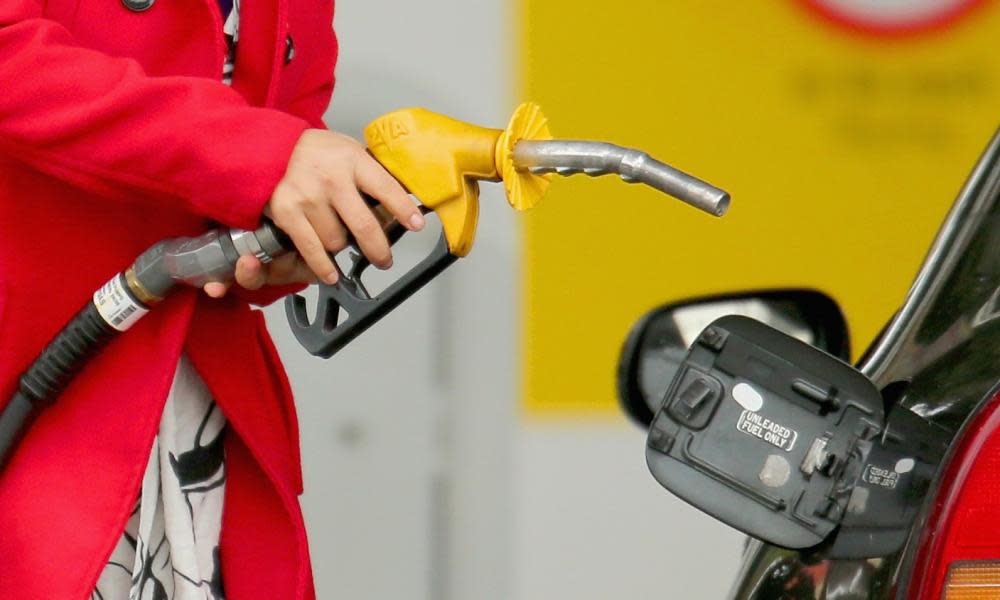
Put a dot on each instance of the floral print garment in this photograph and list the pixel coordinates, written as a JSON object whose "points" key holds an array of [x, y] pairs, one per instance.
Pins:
{"points": [[170, 547]]}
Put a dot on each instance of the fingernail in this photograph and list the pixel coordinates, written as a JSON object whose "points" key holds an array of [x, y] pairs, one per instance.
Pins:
{"points": [[417, 221], [331, 278]]}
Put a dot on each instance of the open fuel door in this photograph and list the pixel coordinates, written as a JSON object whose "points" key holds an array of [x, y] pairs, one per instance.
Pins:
{"points": [[766, 433]]}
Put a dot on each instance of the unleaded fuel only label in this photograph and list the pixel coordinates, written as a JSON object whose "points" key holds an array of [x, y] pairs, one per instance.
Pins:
{"points": [[882, 477], [760, 427]]}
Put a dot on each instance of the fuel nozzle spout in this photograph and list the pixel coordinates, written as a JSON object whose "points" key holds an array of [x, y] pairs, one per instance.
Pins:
{"points": [[527, 157], [569, 157]]}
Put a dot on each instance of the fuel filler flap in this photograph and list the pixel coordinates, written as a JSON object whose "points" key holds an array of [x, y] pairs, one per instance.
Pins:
{"points": [[765, 432]]}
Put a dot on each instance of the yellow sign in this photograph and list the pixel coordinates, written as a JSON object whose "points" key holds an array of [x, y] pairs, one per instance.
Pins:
{"points": [[843, 147]]}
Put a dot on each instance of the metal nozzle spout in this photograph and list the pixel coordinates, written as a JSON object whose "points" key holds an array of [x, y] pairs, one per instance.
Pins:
{"points": [[568, 157]]}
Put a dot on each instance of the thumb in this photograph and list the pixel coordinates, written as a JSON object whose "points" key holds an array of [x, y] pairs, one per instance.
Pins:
{"points": [[251, 273], [216, 289]]}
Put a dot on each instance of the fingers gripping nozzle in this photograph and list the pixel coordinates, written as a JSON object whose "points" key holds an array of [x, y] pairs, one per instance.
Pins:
{"points": [[441, 161]]}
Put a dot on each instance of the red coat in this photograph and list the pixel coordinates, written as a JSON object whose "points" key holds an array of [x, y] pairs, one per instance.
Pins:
{"points": [[115, 132]]}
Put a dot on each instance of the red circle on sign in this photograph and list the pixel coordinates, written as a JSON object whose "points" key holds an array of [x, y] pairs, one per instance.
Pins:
{"points": [[906, 21]]}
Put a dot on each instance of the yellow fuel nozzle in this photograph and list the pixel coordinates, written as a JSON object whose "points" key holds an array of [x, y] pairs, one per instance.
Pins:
{"points": [[440, 160]]}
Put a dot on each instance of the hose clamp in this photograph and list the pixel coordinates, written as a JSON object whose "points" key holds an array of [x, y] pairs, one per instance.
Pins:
{"points": [[247, 244], [141, 293]]}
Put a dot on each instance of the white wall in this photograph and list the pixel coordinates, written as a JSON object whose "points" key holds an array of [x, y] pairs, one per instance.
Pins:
{"points": [[593, 524]]}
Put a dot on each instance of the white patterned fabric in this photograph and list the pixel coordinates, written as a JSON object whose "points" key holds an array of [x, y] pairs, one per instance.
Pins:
{"points": [[231, 30], [170, 547]]}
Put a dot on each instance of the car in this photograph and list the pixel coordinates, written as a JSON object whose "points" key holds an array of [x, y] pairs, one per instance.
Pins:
{"points": [[935, 530]]}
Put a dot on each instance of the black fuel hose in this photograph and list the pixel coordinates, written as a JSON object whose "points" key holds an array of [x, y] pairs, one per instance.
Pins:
{"points": [[122, 301]]}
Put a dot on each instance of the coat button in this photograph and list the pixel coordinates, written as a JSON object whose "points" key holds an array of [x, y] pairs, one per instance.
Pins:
{"points": [[289, 49], [137, 5]]}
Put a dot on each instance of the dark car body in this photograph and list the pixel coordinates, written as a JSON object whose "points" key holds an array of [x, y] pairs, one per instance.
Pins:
{"points": [[939, 357]]}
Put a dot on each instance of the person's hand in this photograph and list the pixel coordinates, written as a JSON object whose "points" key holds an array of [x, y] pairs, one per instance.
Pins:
{"points": [[252, 274], [318, 201]]}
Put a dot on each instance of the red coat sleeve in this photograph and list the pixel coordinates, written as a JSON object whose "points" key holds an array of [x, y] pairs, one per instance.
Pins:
{"points": [[100, 123]]}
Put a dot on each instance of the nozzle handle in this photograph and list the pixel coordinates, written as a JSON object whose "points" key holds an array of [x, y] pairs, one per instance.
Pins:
{"points": [[569, 157]]}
